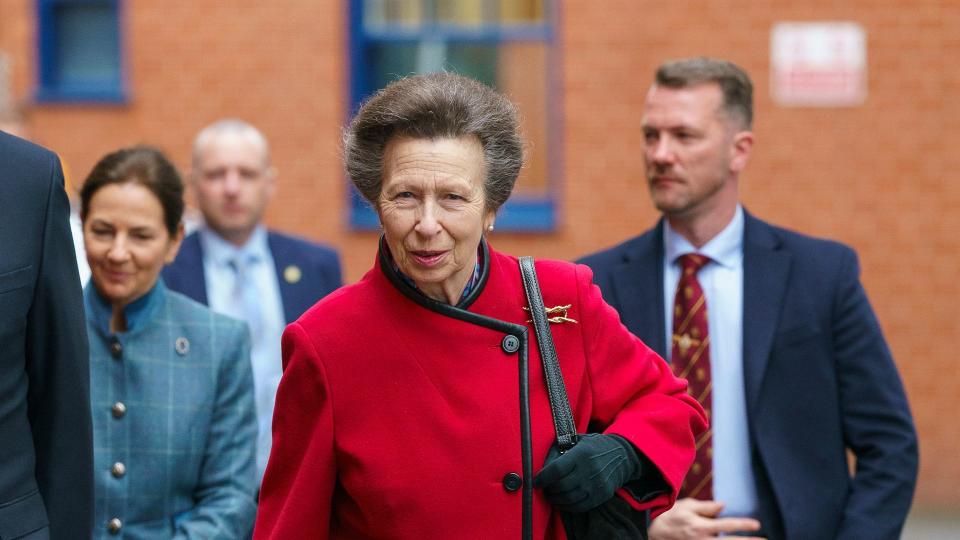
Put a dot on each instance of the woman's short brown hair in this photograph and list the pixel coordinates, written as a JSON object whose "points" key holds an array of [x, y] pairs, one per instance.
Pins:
{"points": [[436, 105], [142, 165]]}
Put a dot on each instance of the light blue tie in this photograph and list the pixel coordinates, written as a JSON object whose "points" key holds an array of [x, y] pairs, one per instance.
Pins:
{"points": [[245, 298]]}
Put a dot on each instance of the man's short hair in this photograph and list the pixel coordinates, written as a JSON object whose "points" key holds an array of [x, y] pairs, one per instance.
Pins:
{"points": [[732, 79], [229, 126]]}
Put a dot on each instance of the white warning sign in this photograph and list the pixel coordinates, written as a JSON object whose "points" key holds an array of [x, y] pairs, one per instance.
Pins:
{"points": [[820, 64]]}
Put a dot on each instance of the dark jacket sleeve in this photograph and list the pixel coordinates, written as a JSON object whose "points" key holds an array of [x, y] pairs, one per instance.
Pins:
{"points": [[334, 275], [57, 366], [878, 426]]}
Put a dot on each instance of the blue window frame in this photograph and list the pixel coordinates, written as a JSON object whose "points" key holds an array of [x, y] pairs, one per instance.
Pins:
{"points": [[507, 44], [80, 51]]}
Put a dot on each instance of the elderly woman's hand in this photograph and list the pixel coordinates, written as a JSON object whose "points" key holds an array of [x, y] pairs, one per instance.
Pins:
{"points": [[588, 474]]}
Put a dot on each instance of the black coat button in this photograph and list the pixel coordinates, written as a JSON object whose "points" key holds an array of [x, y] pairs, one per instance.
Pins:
{"points": [[512, 481], [116, 348], [510, 344]]}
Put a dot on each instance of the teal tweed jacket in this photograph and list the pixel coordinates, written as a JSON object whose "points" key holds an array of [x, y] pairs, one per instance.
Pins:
{"points": [[174, 427]]}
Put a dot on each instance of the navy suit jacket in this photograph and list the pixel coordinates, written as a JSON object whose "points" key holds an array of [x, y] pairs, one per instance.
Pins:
{"points": [[46, 450], [319, 272], [819, 379]]}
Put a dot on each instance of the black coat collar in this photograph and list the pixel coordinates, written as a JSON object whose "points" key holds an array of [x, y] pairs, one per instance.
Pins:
{"points": [[386, 266]]}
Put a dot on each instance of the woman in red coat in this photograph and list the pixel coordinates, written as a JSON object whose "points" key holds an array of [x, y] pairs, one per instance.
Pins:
{"points": [[401, 413]]}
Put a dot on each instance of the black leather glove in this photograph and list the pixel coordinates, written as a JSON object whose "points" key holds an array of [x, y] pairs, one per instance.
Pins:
{"points": [[588, 474]]}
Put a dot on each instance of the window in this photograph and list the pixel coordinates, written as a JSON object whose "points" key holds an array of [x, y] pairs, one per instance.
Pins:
{"points": [[80, 54], [506, 44]]}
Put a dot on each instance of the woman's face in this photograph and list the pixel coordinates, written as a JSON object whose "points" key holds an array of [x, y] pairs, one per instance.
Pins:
{"points": [[126, 241], [432, 210]]}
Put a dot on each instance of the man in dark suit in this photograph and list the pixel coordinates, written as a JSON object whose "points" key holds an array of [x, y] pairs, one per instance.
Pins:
{"points": [[238, 267], [46, 449], [790, 361]]}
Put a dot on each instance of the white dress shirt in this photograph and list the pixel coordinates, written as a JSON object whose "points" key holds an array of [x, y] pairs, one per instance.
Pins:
{"points": [[722, 283], [220, 275]]}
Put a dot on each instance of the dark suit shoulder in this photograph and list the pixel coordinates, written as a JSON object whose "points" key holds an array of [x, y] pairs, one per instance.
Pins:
{"points": [[288, 248], [606, 263], [189, 251], [298, 243], [618, 253], [28, 174], [192, 238], [185, 274], [802, 240], [810, 251], [319, 268], [19, 152]]}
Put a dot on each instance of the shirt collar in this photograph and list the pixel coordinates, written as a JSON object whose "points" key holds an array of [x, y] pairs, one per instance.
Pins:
{"points": [[223, 253], [137, 313], [725, 249]]}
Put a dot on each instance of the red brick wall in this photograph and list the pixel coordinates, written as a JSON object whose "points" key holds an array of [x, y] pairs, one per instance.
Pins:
{"points": [[875, 176]]}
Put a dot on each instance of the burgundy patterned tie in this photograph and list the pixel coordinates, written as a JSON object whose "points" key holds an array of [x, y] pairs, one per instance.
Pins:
{"points": [[691, 360]]}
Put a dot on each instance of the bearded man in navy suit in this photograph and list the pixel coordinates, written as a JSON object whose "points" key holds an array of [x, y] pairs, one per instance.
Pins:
{"points": [[238, 267], [46, 447], [800, 370]]}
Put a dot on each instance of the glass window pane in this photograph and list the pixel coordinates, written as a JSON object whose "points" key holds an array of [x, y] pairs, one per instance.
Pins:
{"points": [[517, 68], [396, 13], [402, 37], [475, 61], [521, 11], [461, 12], [385, 63], [88, 49]]}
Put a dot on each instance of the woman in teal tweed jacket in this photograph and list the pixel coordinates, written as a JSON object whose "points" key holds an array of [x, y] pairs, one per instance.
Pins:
{"points": [[171, 386]]}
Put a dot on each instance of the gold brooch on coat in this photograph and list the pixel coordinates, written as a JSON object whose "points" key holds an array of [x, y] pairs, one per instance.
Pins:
{"points": [[555, 314]]}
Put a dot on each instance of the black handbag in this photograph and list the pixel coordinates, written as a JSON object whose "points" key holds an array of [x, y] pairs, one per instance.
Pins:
{"points": [[614, 519]]}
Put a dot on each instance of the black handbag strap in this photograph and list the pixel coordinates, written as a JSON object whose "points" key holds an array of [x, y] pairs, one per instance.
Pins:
{"points": [[559, 403]]}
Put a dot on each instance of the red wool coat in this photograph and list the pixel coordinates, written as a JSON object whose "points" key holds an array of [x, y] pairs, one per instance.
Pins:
{"points": [[399, 417]]}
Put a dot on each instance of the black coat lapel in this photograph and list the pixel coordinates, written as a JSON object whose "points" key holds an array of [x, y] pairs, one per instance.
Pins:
{"points": [[765, 271]]}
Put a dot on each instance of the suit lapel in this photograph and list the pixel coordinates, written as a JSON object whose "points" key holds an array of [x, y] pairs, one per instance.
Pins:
{"points": [[638, 282], [281, 260], [193, 282], [765, 270]]}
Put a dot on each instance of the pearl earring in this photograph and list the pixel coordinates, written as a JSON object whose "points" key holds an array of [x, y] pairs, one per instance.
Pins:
{"points": [[490, 227]]}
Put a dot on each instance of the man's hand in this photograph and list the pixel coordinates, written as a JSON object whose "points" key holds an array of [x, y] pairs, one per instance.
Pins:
{"points": [[691, 519]]}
